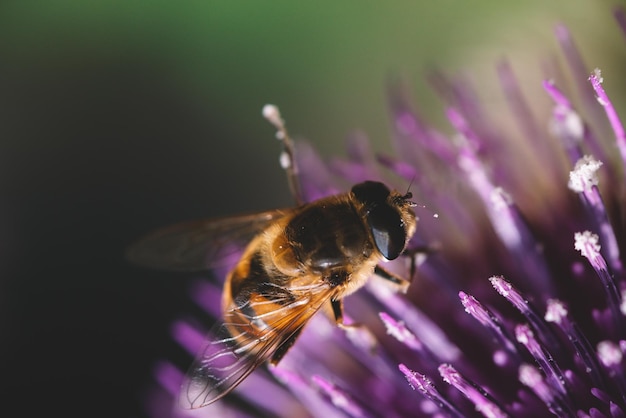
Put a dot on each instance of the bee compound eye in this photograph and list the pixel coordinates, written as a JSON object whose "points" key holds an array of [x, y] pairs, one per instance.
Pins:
{"points": [[387, 230], [370, 192], [384, 221]]}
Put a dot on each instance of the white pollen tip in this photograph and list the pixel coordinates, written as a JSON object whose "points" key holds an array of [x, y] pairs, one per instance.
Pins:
{"points": [[609, 353], [272, 114], [587, 243], [598, 75], [556, 311], [574, 125], [585, 174], [567, 124], [529, 375], [500, 199], [285, 160]]}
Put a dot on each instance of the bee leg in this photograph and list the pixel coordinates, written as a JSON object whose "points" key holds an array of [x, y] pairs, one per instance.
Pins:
{"points": [[337, 305], [284, 347], [337, 309], [357, 333], [402, 283], [414, 252]]}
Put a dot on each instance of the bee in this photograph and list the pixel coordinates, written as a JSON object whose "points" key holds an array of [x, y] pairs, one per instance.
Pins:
{"points": [[297, 262]]}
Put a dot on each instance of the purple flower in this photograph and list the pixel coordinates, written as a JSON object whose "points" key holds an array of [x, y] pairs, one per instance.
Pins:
{"points": [[526, 237]]}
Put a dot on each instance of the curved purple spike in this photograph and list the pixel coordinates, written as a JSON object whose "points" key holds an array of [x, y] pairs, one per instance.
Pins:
{"points": [[424, 385], [520, 302], [556, 312], [554, 375], [587, 243], [531, 377], [618, 129], [580, 72], [339, 398], [489, 320], [584, 181], [566, 123], [483, 402]]}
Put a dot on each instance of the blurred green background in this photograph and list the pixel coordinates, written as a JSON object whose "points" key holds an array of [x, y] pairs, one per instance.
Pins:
{"points": [[121, 116]]}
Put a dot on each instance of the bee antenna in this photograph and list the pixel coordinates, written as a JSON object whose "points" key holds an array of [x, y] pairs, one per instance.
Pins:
{"points": [[408, 193], [408, 189]]}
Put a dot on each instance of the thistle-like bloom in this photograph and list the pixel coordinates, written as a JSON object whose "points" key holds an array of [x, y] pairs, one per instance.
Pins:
{"points": [[519, 307]]}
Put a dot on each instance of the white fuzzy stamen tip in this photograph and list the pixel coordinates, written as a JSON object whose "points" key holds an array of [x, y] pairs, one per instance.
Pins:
{"points": [[598, 75], [500, 199], [555, 311], [587, 243], [272, 114], [567, 123], [285, 160], [585, 174], [529, 375], [609, 353]]}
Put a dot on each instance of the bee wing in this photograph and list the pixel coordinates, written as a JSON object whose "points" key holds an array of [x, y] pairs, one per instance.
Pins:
{"points": [[243, 341], [199, 245]]}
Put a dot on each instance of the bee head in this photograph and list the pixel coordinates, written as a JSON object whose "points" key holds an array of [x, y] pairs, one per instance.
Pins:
{"points": [[388, 215]]}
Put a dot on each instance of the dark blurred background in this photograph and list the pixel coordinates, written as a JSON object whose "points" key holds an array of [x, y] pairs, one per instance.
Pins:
{"points": [[119, 117]]}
